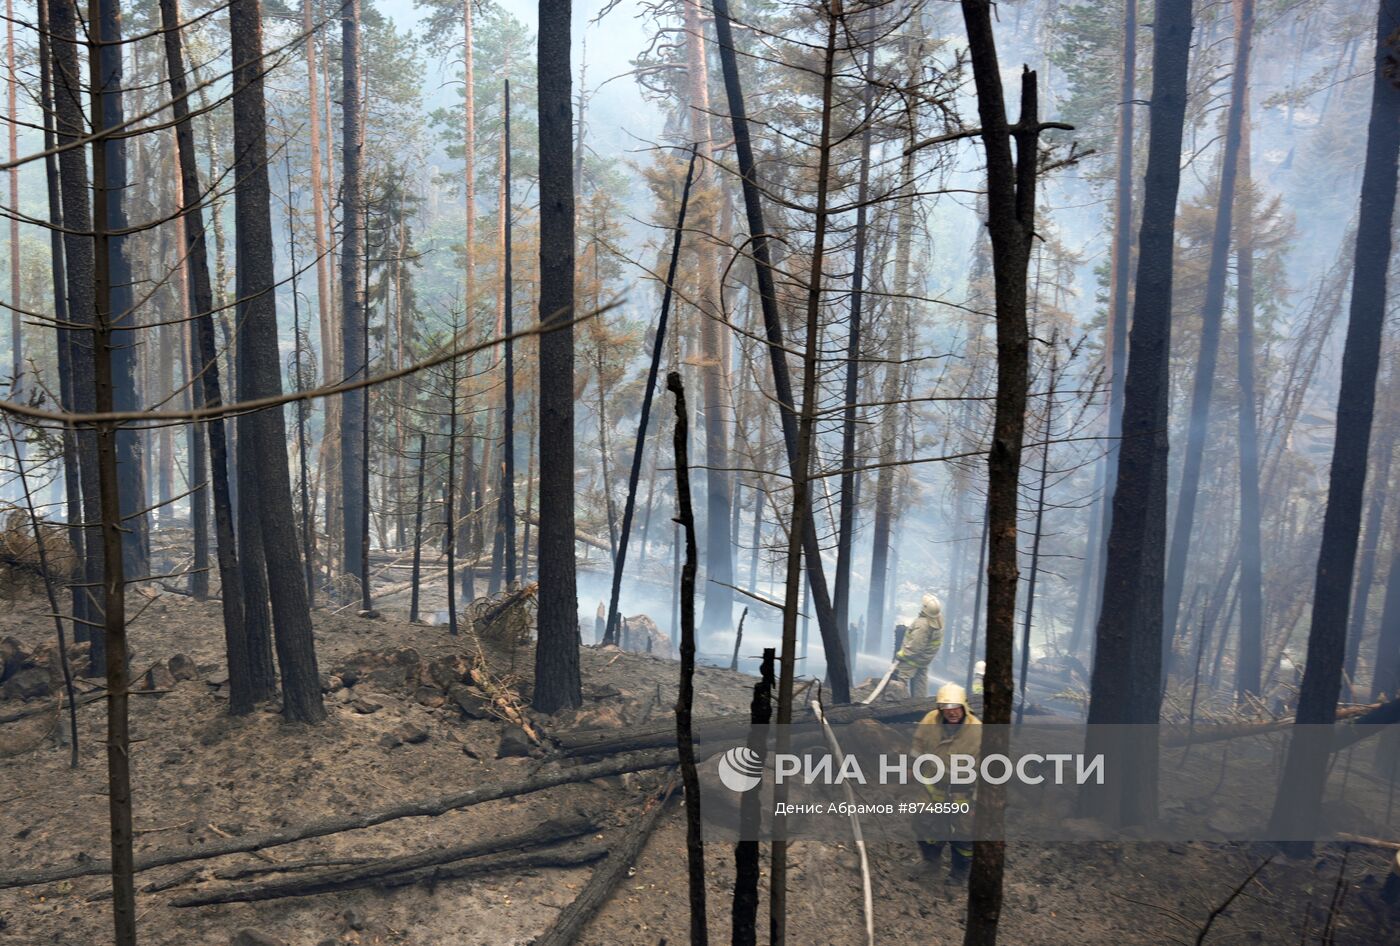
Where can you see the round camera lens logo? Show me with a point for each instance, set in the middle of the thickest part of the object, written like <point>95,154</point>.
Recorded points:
<point>740,769</point>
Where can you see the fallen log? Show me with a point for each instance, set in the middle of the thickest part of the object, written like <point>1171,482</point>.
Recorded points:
<point>1368,842</point>
<point>92,696</point>
<point>735,726</point>
<point>1359,715</point>
<point>1382,714</point>
<point>574,918</point>
<point>572,855</point>
<point>579,534</point>
<point>49,707</point>
<point>427,808</point>
<point>575,855</point>
<point>281,867</point>
<point>377,871</point>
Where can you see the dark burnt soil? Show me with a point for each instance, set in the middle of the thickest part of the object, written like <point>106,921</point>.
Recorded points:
<point>200,776</point>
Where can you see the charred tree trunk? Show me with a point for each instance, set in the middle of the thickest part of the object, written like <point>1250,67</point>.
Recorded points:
<point>1121,292</point>
<point>837,670</point>
<point>685,741</point>
<point>888,437</point>
<point>64,337</point>
<point>1296,809</point>
<point>260,367</point>
<point>746,854</point>
<point>1011,187</point>
<point>505,504</point>
<point>801,526</point>
<point>841,594</point>
<point>557,683</point>
<point>977,601</point>
<point>16,325</point>
<point>1249,661</point>
<point>135,529</point>
<point>353,315</point>
<point>243,692</point>
<point>1211,317</point>
<point>71,125</point>
<point>610,632</point>
<point>196,444</point>
<point>1127,671</point>
<point>104,340</point>
<point>449,508</point>
<point>418,530</point>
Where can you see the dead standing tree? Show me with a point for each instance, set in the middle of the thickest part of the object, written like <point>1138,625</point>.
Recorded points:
<point>1011,186</point>
<point>610,632</point>
<point>685,739</point>
<point>837,671</point>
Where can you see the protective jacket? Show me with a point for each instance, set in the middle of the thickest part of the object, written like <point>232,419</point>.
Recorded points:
<point>921,644</point>
<point>934,737</point>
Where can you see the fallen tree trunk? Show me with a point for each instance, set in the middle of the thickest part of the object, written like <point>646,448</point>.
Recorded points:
<point>574,918</point>
<point>1375,713</point>
<point>1369,842</point>
<point>641,749</point>
<point>92,696</point>
<point>389,869</point>
<point>579,534</point>
<point>735,726</point>
<point>635,762</point>
<point>1365,725</point>
<point>572,856</point>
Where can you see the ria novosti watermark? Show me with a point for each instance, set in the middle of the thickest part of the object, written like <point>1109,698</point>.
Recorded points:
<point>741,769</point>
<point>1052,779</point>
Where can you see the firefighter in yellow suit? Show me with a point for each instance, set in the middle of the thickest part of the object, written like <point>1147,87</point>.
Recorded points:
<point>921,644</point>
<point>949,730</point>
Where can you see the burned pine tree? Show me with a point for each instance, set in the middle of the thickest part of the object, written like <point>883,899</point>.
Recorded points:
<point>263,434</point>
<point>70,126</point>
<point>1127,670</point>
<point>1011,199</point>
<point>556,654</point>
<point>612,626</point>
<point>832,638</point>
<point>109,103</point>
<point>1251,588</point>
<point>1212,316</point>
<point>1296,811</point>
<point>242,689</point>
<point>354,327</point>
<point>106,381</point>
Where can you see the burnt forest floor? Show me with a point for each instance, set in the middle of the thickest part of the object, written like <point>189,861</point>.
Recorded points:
<point>202,777</point>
